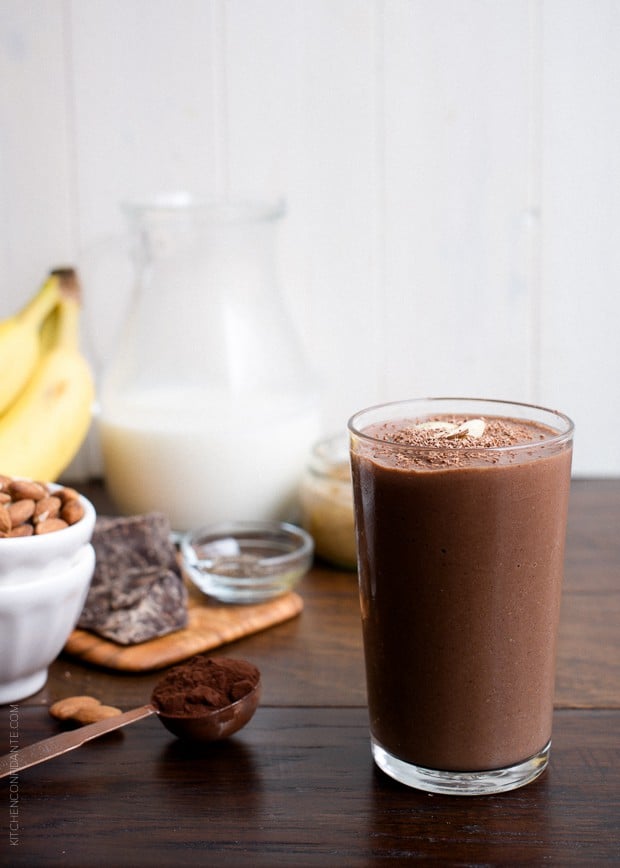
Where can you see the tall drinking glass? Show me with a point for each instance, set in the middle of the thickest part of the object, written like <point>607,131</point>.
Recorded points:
<point>460,508</point>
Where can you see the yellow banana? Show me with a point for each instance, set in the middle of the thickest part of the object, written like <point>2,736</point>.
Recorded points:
<point>68,285</point>
<point>19,340</point>
<point>43,429</point>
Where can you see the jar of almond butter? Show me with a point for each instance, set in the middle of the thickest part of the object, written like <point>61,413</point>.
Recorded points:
<point>326,501</point>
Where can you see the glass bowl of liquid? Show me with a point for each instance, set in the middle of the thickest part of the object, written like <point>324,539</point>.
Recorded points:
<point>247,562</point>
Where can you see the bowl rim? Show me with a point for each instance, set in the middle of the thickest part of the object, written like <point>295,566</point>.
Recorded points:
<point>303,542</point>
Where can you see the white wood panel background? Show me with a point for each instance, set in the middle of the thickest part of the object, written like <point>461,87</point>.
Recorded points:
<point>451,169</point>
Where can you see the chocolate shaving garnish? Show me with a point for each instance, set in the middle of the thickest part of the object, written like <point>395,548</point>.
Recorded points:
<point>451,441</point>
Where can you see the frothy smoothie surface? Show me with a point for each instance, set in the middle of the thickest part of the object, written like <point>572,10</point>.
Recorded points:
<point>444,441</point>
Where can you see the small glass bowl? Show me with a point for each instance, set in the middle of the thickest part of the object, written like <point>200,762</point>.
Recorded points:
<point>247,562</point>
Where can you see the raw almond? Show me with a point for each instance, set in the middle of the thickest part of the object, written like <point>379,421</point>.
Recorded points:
<point>447,428</point>
<point>470,428</point>
<point>49,525</point>
<point>47,507</point>
<point>72,511</point>
<point>93,713</point>
<point>63,709</point>
<point>26,504</point>
<point>25,529</point>
<point>24,489</point>
<point>83,709</point>
<point>5,520</point>
<point>66,494</point>
<point>20,511</point>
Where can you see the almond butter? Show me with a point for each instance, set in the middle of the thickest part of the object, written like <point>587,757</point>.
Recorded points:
<point>50,525</point>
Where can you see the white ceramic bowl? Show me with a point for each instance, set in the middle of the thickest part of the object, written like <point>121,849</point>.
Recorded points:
<point>43,585</point>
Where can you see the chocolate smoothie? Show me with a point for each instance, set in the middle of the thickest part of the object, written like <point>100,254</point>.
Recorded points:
<point>461,523</point>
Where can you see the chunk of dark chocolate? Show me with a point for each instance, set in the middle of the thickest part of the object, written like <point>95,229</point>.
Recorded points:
<point>137,592</point>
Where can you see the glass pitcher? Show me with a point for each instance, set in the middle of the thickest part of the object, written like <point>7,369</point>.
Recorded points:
<point>208,407</point>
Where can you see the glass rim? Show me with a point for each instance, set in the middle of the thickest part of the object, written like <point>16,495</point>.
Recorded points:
<point>558,437</point>
<point>222,210</point>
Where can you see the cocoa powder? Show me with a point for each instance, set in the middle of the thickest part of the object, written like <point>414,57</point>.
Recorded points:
<point>204,684</point>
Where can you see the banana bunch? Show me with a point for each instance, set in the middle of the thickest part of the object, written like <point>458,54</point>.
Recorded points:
<point>46,385</point>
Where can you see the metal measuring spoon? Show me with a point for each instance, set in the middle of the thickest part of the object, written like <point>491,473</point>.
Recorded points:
<point>213,725</point>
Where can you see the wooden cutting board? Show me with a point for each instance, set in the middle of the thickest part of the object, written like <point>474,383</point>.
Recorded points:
<point>209,625</point>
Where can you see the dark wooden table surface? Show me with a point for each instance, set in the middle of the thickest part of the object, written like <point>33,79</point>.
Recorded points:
<point>297,786</point>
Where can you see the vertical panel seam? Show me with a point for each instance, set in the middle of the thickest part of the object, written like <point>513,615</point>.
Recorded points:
<point>379,220</point>
<point>534,197</point>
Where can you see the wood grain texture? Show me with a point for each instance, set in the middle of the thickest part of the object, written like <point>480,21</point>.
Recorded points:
<point>298,787</point>
<point>318,657</point>
<point>588,671</point>
<point>209,626</point>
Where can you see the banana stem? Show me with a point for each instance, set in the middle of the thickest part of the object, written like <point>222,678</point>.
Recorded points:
<point>69,283</point>
<point>67,323</point>
<point>38,307</point>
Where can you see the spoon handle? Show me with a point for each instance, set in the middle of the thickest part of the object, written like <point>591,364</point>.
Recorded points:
<point>40,751</point>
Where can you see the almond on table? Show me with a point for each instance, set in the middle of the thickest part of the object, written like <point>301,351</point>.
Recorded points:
<point>82,709</point>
